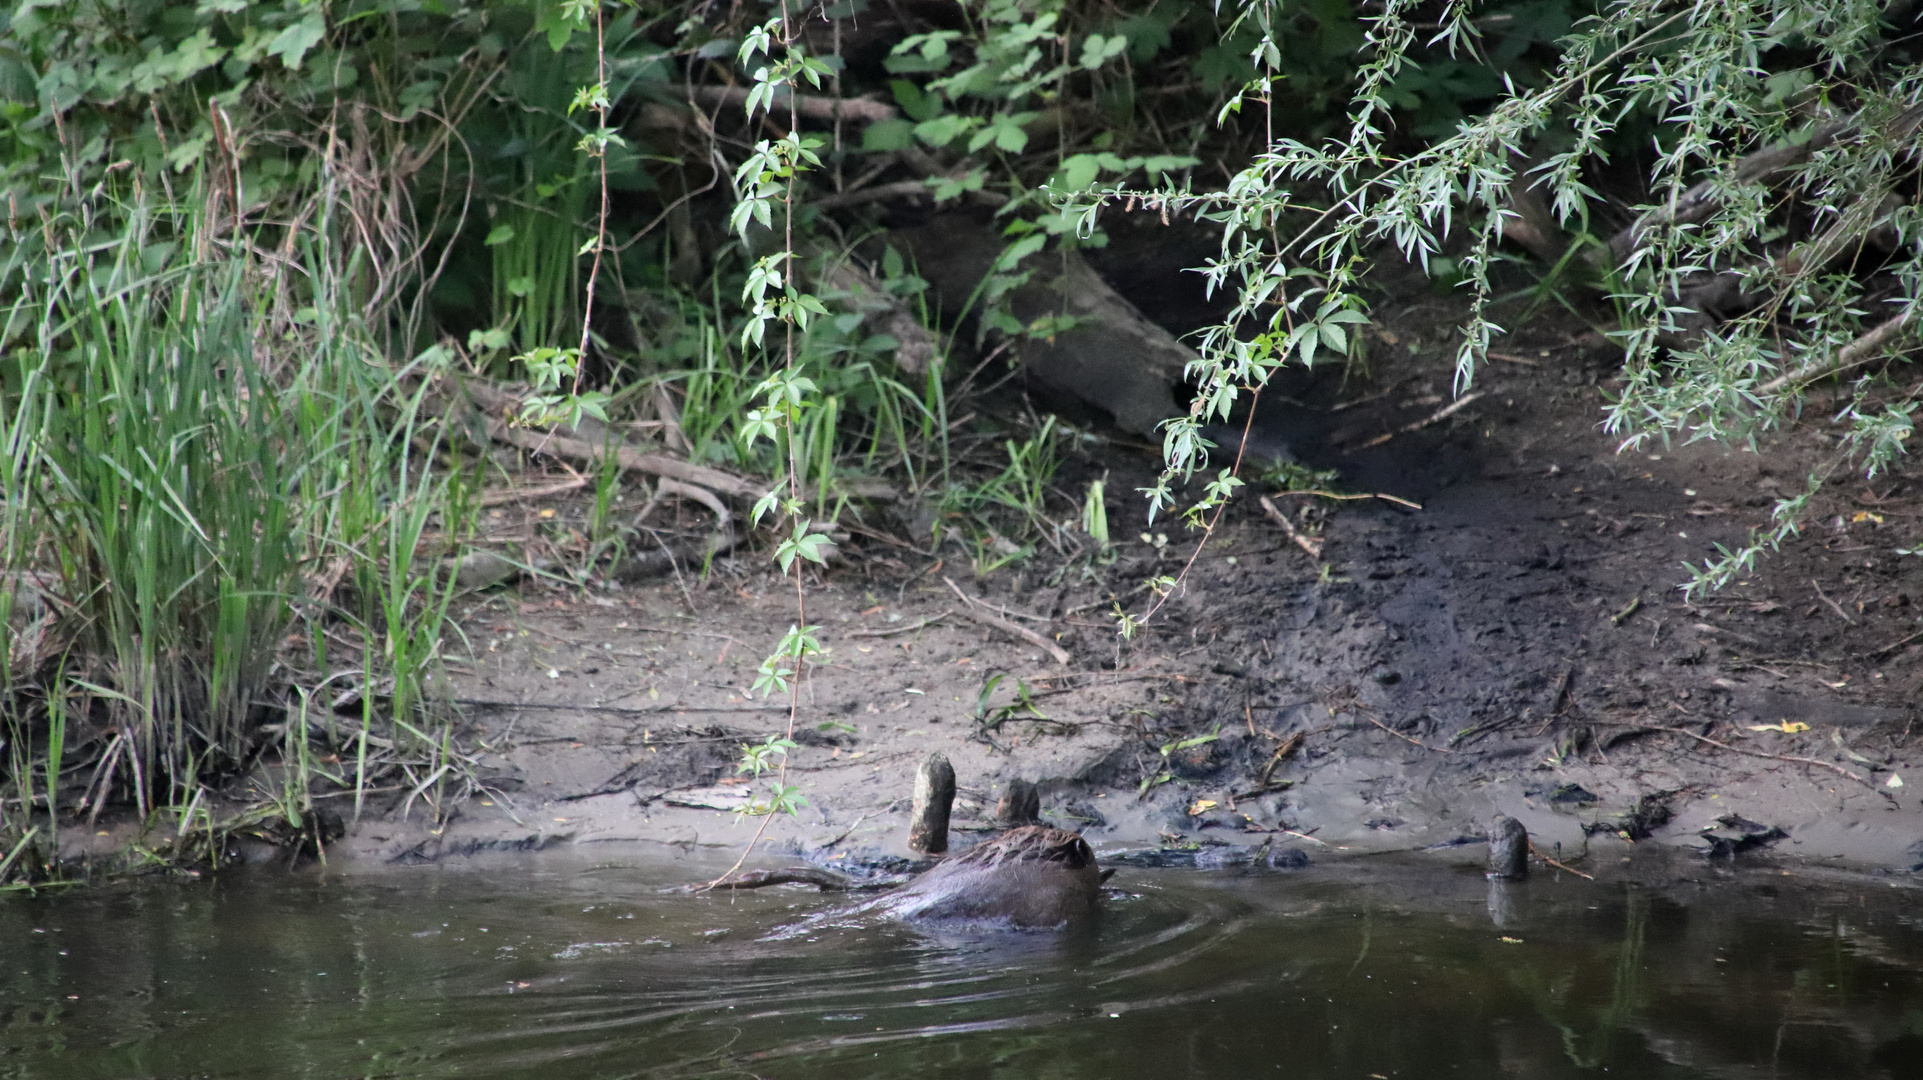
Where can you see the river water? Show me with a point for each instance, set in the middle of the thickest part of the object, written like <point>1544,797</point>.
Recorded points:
<point>557,966</point>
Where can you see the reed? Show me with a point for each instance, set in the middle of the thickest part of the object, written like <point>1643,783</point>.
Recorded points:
<point>199,451</point>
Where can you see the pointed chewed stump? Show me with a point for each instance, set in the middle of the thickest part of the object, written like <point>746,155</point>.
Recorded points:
<point>1020,804</point>
<point>934,797</point>
<point>1508,850</point>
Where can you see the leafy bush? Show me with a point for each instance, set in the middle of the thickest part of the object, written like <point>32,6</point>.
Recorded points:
<point>1773,242</point>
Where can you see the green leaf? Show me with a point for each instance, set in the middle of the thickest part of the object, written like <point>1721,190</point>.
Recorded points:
<point>556,24</point>
<point>1335,337</point>
<point>917,103</point>
<point>884,136</point>
<point>1010,137</point>
<point>1098,50</point>
<point>495,338</point>
<point>498,235</point>
<point>1079,171</point>
<point>1019,250</point>
<point>293,44</point>
<point>943,129</point>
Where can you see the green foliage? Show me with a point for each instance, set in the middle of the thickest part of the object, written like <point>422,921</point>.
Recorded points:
<point>184,436</point>
<point>1703,87</point>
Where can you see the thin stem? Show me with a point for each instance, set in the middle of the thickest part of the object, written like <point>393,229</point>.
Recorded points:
<point>601,154</point>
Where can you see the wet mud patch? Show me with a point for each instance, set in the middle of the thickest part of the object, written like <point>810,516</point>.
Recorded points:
<point>1522,636</point>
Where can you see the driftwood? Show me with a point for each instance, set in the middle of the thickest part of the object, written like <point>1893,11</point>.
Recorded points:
<point>1113,358</point>
<point>825,880</point>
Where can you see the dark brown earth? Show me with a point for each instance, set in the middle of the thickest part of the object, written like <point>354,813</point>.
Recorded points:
<point>1519,644</point>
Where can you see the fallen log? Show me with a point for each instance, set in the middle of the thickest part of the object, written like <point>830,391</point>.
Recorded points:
<point>1112,358</point>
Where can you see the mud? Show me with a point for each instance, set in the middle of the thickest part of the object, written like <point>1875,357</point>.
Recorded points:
<point>1518,645</point>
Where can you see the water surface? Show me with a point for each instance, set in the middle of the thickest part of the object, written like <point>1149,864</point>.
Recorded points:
<point>557,966</point>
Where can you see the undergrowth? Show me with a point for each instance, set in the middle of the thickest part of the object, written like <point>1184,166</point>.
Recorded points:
<point>214,518</point>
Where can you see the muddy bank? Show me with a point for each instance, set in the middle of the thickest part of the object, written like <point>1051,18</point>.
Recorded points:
<point>1516,645</point>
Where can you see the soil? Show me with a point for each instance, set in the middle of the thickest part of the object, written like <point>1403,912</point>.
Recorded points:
<point>1517,645</point>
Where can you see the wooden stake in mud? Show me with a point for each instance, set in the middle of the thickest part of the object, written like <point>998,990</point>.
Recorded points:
<point>1020,804</point>
<point>1508,850</point>
<point>934,797</point>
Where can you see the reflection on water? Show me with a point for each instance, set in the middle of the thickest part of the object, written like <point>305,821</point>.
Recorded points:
<point>557,968</point>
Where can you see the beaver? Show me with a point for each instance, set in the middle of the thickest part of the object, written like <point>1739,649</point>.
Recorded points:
<point>1032,876</point>
<point>1035,876</point>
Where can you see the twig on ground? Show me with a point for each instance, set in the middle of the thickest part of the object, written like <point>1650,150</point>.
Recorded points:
<point>1370,717</point>
<point>1289,746</point>
<point>1634,605</point>
<point>1789,758</point>
<point>1838,608</point>
<point>1313,547</point>
<point>1436,417</point>
<point>971,610</point>
<point>500,496</point>
<point>1340,497</point>
<point>845,833</point>
<point>636,710</point>
<point>1537,852</point>
<point>893,630</point>
<point>1890,648</point>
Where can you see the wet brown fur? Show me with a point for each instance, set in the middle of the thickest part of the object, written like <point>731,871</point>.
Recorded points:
<point>1034,876</point>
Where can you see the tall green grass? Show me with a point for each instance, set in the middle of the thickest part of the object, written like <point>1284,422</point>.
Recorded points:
<point>198,448</point>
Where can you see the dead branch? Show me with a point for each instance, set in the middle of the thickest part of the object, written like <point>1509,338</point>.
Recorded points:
<point>1857,353</point>
<point>1789,758</point>
<point>1436,417</point>
<point>495,404</point>
<point>825,880</point>
<point>591,442</point>
<point>893,630</point>
<point>1765,165</point>
<point>970,609</point>
<point>501,496</point>
<point>812,106</point>
<point>1313,547</point>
